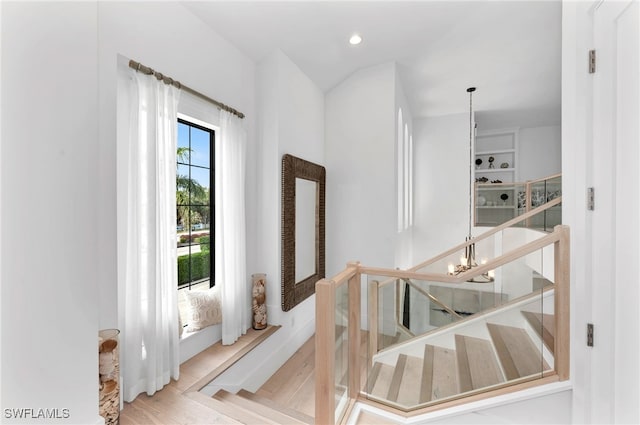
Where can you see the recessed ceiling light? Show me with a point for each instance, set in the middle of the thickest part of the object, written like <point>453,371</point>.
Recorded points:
<point>355,39</point>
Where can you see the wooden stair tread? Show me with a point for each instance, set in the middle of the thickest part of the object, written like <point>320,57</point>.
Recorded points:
<point>380,379</point>
<point>174,407</point>
<point>301,417</point>
<point>544,325</point>
<point>304,399</point>
<point>439,377</point>
<point>410,385</point>
<point>477,363</point>
<point>517,353</point>
<point>270,412</point>
<point>396,379</point>
<point>236,415</point>
<point>287,381</point>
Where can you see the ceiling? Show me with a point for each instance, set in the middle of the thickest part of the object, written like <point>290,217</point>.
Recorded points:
<point>509,50</point>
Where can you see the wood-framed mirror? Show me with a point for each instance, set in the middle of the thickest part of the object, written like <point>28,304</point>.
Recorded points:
<point>303,229</point>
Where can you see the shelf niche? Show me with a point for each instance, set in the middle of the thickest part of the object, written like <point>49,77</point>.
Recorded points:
<point>501,145</point>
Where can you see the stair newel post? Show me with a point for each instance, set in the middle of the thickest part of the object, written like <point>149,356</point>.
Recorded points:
<point>325,352</point>
<point>354,331</point>
<point>562,305</point>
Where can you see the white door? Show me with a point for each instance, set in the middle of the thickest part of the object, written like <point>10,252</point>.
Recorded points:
<point>614,223</point>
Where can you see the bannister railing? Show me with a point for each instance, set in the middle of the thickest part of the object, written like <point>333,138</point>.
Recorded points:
<point>496,203</point>
<point>515,222</point>
<point>339,379</point>
<point>332,398</point>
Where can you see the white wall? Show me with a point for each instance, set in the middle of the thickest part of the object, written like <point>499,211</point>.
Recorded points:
<point>441,184</point>
<point>50,197</point>
<point>291,121</point>
<point>539,152</point>
<point>361,182</point>
<point>138,31</point>
<point>404,241</point>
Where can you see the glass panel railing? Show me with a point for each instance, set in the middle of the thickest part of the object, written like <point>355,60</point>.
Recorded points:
<point>341,355</point>
<point>484,250</point>
<point>542,192</point>
<point>497,203</point>
<point>444,340</point>
<point>487,248</point>
<point>385,295</point>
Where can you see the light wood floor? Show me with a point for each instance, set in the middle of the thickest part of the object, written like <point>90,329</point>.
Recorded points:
<point>293,385</point>
<point>290,390</point>
<point>178,402</point>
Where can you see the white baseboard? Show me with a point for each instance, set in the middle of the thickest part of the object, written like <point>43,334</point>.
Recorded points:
<point>480,405</point>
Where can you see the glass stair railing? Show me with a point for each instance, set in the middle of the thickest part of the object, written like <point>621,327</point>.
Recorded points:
<point>413,339</point>
<point>496,203</point>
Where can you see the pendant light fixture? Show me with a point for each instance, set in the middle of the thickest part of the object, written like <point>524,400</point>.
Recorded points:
<point>468,261</point>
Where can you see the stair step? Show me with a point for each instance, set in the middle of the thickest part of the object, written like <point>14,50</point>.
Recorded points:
<point>517,353</point>
<point>544,325</point>
<point>477,363</point>
<point>410,385</point>
<point>380,380</point>
<point>234,412</point>
<point>301,417</point>
<point>396,380</point>
<point>439,377</point>
<point>263,412</point>
<point>291,377</point>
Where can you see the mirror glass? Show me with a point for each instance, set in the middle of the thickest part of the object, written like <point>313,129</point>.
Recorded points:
<point>305,228</point>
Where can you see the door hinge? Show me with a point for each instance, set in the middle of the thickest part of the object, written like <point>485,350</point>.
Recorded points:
<point>591,199</point>
<point>592,61</point>
<point>589,334</point>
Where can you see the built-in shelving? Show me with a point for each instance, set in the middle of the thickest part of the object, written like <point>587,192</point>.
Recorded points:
<point>501,146</point>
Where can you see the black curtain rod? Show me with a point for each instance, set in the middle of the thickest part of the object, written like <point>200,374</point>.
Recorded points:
<point>167,80</point>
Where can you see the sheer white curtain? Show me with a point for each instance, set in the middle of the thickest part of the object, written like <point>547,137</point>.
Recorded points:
<point>149,355</point>
<point>230,262</point>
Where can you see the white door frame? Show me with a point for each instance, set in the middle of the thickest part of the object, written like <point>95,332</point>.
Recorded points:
<point>600,151</point>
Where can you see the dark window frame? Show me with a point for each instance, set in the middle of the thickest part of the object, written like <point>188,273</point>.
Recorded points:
<point>211,204</point>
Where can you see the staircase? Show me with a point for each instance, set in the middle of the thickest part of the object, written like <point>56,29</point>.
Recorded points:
<point>249,408</point>
<point>483,355</point>
<point>287,397</point>
<point>486,352</point>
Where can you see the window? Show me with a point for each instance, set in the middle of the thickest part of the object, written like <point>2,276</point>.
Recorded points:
<point>400,176</point>
<point>194,212</point>
<point>404,155</point>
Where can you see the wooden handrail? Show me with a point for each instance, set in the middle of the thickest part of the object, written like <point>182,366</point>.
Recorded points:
<point>326,303</point>
<point>491,232</point>
<point>464,277</point>
<point>346,274</point>
<point>551,177</point>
